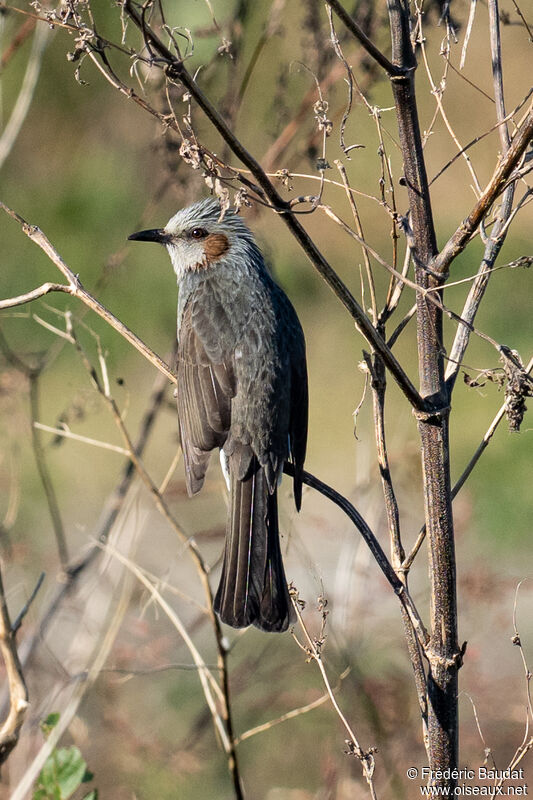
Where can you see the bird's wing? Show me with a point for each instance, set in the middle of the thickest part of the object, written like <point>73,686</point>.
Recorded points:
<point>298,410</point>
<point>206,385</point>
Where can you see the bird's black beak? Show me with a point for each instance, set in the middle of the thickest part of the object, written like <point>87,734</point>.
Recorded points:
<point>153,235</point>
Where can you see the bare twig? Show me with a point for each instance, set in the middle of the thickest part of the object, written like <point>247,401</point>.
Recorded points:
<point>458,241</point>
<point>76,437</point>
<point>18,115</point>
<point>295,712</point>
<point>33,374</point>
<point>359,229</point>
<point>497,237</point>
<point>75,288</point>
<point>527,742</point>
<point>44,473</point>
<point>468,32</point>
<point>349,79</point>
<point>210,686</point>
<point>378,383</point>
<point>393,70</point>
<point>438,92</point>
<point>466,472</point>
<point>313,648</point>
<point>18,694</point>
<point>375,548</point>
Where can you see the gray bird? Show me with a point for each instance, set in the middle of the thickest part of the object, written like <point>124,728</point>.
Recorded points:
<point>241,387</point>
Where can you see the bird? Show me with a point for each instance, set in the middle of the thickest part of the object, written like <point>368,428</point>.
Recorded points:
<point>242,388</point>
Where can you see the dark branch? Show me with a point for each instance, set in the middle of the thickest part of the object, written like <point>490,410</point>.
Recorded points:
<point>390,68</point>
<point>375,548</point>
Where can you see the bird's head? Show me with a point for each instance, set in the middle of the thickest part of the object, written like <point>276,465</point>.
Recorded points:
<point>199,237</point>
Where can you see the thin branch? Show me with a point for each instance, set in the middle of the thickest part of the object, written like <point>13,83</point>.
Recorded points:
<point>340,55</point>
<point>18,40</point>
<point>458,241</point>
<point>465,474</point>
<point>378,383</point>
<point>18,693</point>
<point>75,289</point>
<point>23,103</point>
<point>479,138</point>
<point>40,291</point>
<point>33,374</point>
<point>27,605</point>
<point>44,473</point>
<point>358,226</point>
<point>391,69</point>
<point>497,237</point>
<point>468,32</point>
<point>374,546</point>
<point>206,678</point>
<point>527,741</point>
<point>526,26</point>
<point>437,92</point>
<point>76,437</point>
<point>313,649</point>
<point>295,712</point>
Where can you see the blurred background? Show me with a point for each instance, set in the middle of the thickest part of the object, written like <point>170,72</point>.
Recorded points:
<point>89,166</point>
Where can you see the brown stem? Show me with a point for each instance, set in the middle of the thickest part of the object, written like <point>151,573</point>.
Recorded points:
<point>415,651</point>
<point>18,694</point>
<point>500,228</point>
<point>75,288</point>
<point>390,68</point>
<point>434,433</point>
<point>375,548</point>
<point>44,473</point>
<point>458,241</point>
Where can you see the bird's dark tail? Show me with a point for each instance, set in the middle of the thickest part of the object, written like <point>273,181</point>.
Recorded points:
<point>253,589</point>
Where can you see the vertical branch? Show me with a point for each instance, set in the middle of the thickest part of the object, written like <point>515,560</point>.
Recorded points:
<point>379,385</point>
<point>42,469</point>
<point>358,227</point>
<point>433,427</point>
<point>500,228</point>
<point>18,694</point>
<point>33,374</point>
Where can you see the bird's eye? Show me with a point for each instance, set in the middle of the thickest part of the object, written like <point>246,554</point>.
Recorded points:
<point>198,233</point>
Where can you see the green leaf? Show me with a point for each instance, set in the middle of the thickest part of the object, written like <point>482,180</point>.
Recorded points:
<point>62,773</point>
<point>71,768</point>
<point>48,724</point>
<point>92,795</point>
<point>49,792</point>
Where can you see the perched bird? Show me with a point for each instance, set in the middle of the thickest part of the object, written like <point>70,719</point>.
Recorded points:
<point>241,387</point>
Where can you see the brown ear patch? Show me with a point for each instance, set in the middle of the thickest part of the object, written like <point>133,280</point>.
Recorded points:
<point>215,245</point>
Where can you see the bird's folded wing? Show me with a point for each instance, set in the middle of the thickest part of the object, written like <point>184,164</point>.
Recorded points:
<point>206,385</point>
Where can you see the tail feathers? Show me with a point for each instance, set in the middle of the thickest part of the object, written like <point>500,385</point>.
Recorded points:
<point>253,589</point>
